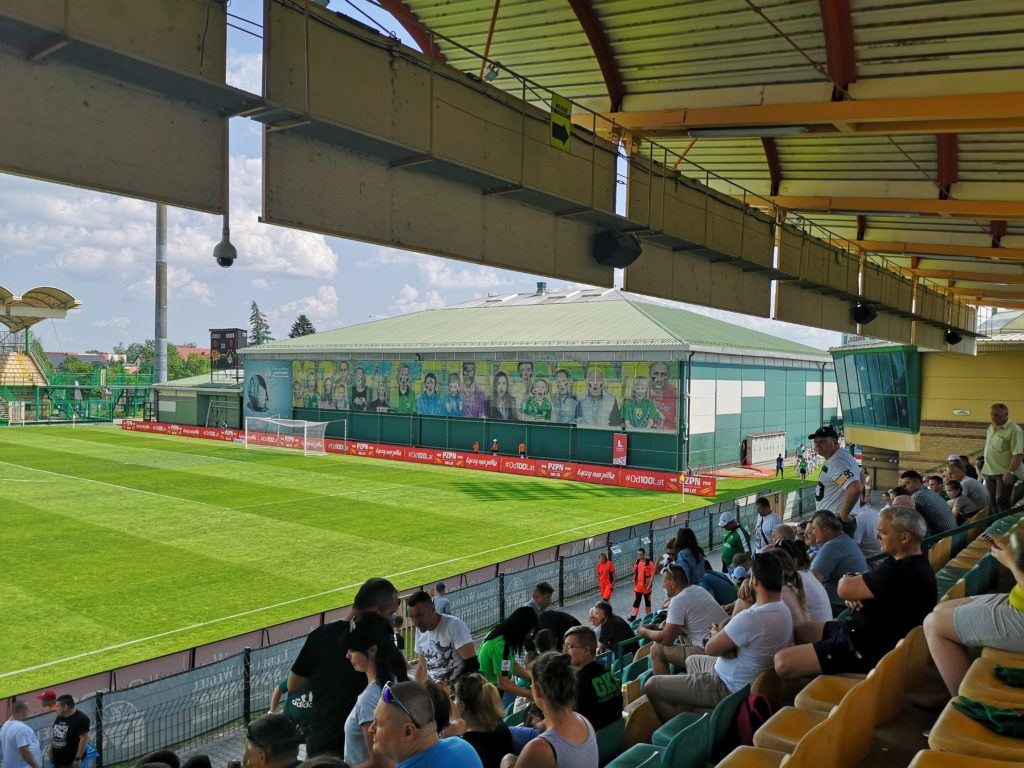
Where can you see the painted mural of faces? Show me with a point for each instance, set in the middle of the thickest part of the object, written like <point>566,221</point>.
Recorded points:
<point>343,373</point>
<point>360,377</point>
<point>640,388</point>
<point>501,384</point>
<point>595,383</point>
<point>453,384</point>
<point>540,389</point>
<point>430,384</point>
<point>296,390</point>
<point>659,378</point>
<point>328,388</point>
<point>526,376</point>
<point>468,375</point>
<point>311,381</point>
<point>382,390</point>
<point>403,378</point>
<point>562,382</point>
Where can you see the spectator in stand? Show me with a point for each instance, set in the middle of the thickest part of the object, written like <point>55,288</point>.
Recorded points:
<point>839,484</point>
<point>866,535</point>
<point>792,591</point>
<point>48,700</point>
<point>690,556</point>
<point>643,582</point>
<point>990,621</point>
<point>558,622</point>
<point>371,652</point>
<point>766,521</point>
<point>323,669</point>
<point>497,654</point>
<point>780,470</point>
<point>720,586</point>
<point>692,611</point>
<point>888,601</point>
<point>613,629</point>
<point>571,740</point>
<point>296,708</point>
<point>598,691</point>
<point>973,489</point>
<point>669,555</point>
<point>816,598</point>
<point>203,761</point>
<point>441,602</point>
<point>444,646</point>
<point>937,516</point>
<point>397,623</point>
<point>837,555</point>
<point>542,594</point>
<point>1004,452</point>
<point>481,719</point>
<point>935,484</point>
<point>166,757</point>
<point>735,654</point>
<point>965,465</point>
<point>605,576</point>
<point>272,741</point>
<point>19,745</point>
<point>963,508</point>
<point>736,540</point>
<point>783,532</point>
<point>405,733</point>
<point>69,735</point>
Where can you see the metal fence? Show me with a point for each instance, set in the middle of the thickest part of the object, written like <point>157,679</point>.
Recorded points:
<point>225,682</point>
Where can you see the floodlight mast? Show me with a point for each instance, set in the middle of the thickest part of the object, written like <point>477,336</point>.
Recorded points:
<point>160,331</point>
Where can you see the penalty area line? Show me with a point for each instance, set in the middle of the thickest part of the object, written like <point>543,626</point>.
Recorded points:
<point>334,590</point>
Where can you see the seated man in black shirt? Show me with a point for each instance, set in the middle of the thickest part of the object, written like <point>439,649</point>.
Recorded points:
<point>888,601</point>
<point>323,669</point>
<point>613,629</point>
<point>598,691</point>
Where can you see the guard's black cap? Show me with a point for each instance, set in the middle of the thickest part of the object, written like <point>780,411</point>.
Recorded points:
<point>824,432</point>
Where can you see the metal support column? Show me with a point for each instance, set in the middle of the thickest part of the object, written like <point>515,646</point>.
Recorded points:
<point>160,331</point>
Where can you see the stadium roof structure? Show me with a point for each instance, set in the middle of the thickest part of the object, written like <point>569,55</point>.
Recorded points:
<point>220,383</point>
<point>591,319</point>
<point>33,306</point>
<point>897,125</point>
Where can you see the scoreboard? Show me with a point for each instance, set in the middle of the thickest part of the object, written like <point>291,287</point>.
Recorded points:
<point>224,346</point>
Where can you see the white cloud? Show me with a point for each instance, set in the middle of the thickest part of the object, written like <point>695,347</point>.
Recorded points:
<point>181,283</point>
<point>118,323</point>
<point>437,272</point>
<point>408,299</point>
<point>321,306</point>
<point>260,284</point>
<point>245,71</point>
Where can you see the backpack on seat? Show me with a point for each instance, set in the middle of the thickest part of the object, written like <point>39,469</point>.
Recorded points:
<point>754,712</point>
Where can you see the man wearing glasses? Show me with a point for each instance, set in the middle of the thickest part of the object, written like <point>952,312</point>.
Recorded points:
<point>272,741</point>
<point>598,691</point>
<point>404,731</point>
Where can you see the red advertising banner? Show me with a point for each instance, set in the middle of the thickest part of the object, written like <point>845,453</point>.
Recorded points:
<point>620,442</point>
<point>643,479</point>
<point>700,485</point>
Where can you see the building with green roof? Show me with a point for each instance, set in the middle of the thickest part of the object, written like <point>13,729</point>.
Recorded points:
<point>560,371</point>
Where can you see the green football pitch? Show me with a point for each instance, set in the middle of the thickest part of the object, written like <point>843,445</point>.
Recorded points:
<point>121,546</point>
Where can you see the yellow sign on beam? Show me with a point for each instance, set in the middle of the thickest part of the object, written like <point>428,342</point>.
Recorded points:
<point>561,123</point>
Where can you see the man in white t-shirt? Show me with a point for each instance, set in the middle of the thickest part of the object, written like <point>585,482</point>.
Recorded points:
<point>444,646</point>
<point>692,611</point>
<point>766,522</point>
<point>839,487</point>
<point>19,745</point>
<point>866,535</point>
<point>756,635</point>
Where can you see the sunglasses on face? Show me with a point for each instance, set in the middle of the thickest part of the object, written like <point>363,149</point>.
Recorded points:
<point>389,697</point>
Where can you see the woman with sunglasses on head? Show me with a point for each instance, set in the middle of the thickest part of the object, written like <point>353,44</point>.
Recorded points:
<point>371,650</point>
<point>570,740</point>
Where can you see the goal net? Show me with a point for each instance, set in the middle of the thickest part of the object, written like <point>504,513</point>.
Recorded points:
<point>295,434</point>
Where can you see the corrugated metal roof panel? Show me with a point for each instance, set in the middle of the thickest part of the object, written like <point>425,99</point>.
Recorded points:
<point>858,157</point>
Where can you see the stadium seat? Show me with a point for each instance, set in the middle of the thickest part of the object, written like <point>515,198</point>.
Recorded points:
<point>818,748</point>
<point>780,693</point>
<point>939,553</point>
<point>958,590</point>
<point>955,732</point>
<point>611,740</point>
<point>789,725</point>
<point>637,668</point>
<point>1006,658</point>
<point>626,649</point>
<point>641,721</point>
<point>929,758</point>
<point>516,718</point>
<point>632,691</point>
<point>606,659</point>
<point>981,684</point>
<point>642,652</point>
<point>720,726</point>
<point>670,755</point>
<point>918,658</point>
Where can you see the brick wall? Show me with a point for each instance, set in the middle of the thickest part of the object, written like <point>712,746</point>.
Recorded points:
<point>939,439</point>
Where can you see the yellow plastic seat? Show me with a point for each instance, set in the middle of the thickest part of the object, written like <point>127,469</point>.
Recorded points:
<point>918,659</point>
<point>1006,658</point>
<point>940,552</point>
<point>824,692</point>
<point>642,652</point>
<point>929,758</point>
<point>855,714</point>
<point>981,684</point>
<point>968,558</point>
<point>955,732</point>
<point>819,747</point>
<point>631,691</point>
<point>958,590</point>
<point>641,722</point>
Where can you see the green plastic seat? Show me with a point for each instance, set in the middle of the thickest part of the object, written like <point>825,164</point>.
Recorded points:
<point>516,718</point>
<point>679,753</point>
<point>627,647</point>
<point>719,726</point>
<point>611,741</point>
<point>633,671</point>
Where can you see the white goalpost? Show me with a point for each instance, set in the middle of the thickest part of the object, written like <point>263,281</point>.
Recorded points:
<point>294,434</point>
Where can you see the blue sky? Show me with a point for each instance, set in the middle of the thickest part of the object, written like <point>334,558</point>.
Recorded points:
<point>100,248</point>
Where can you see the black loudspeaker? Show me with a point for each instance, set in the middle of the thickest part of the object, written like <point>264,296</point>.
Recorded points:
<point>864,314</point>
<point>613,248</point>
<point>952,337</point>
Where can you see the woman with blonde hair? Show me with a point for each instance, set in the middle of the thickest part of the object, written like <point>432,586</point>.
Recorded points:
<point>480,720</point>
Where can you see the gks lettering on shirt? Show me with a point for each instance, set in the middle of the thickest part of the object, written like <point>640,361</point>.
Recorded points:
<point>606,686</point>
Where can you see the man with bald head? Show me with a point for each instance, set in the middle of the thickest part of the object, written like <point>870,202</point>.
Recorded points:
<point>19,745</point>
<point>405,733</point>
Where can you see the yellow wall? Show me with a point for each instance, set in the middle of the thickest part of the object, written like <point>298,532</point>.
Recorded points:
<point>960,382</point>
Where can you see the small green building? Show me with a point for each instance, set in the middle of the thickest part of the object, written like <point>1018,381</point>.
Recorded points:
<point>558,371</point>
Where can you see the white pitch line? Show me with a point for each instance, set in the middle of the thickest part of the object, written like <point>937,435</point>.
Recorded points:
<point>334,590</point>
<point>114,485</point>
